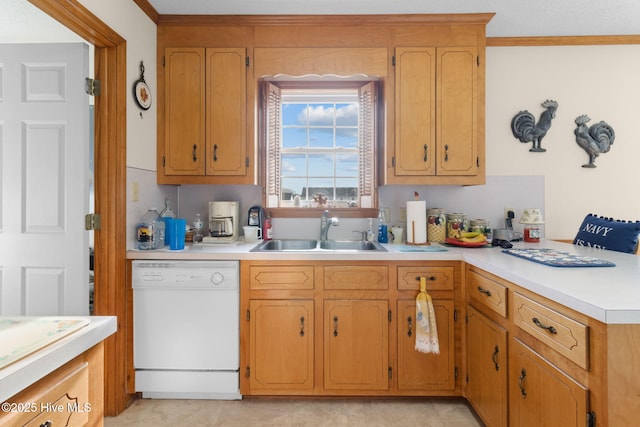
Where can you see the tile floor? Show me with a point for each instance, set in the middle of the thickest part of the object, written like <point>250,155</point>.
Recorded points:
<point>252,412</point>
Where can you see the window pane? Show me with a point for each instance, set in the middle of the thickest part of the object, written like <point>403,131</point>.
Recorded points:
<point>294,114</point>
<point>321,137</point>
<point>292,187</point>
<point>347,114</point>
<point>347,137</point>
<point>320,114</point>
<point>321,165</point>
<point>347,165</point>
<point>347,189</point>
<point>294,165</point>
<point>294,137</point>
<point>321,185</point>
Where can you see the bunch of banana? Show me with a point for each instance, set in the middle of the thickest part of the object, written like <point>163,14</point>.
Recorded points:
<point>472,237</point>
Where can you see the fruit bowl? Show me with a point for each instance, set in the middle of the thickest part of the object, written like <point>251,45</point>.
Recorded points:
<point>456,242</point>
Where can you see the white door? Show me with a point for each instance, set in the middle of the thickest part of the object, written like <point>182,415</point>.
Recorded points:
<point>44,146</point>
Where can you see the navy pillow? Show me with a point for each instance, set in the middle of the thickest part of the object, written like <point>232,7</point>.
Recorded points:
<point>608,233</point>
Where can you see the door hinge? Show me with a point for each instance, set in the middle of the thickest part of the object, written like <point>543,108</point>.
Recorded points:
<point>390,374</point>
<point>92,221</point>
<point>455,372</point>
<point>478,60</point>
<point>478,161</point>
<point>389,316</point>
<point>246,162</point>
<point>393,161</point>
<point>92,87</point>
<point>248,316</point>
<point>163,60</point>
<point>393,60</point>
<point>467,378</point>
<point>247,372</point>
<point>455,315</point>
<point>591,419</point>
<point>162,161</point>
<point>247,60</point>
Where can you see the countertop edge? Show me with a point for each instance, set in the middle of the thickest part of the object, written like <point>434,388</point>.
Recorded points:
<point>28,370</point>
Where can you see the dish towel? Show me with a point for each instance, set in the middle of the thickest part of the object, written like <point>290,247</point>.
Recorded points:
<point>426,328</point>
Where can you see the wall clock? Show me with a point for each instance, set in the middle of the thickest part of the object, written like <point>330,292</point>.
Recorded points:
<point>141,91</point>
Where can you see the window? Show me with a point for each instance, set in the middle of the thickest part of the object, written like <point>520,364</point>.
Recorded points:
<point>320,141</point>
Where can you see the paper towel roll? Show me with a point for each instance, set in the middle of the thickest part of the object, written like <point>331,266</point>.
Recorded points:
<point>417,222</point>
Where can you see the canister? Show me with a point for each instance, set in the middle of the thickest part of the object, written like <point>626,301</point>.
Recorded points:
<point>436,225</point>
<point>456,224</point>
<point>481,226</point>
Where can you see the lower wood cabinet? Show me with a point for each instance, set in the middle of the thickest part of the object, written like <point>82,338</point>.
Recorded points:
<point>540,394</point>
<point>487,368</point>
<point>420,371</point>
<point>345,328</point>
<point>356,345</point>
<point>281,337</point>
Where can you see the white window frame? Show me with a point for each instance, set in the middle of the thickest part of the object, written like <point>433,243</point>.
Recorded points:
<point>367,142</point>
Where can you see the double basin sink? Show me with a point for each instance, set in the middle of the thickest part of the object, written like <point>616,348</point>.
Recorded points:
<point>315,245</point>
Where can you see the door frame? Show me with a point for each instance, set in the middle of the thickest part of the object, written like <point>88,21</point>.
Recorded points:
<point>110,189</point>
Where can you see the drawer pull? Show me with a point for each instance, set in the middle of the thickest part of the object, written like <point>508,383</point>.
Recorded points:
<point>430,278</point>
<point>484,291</point>
<point>409,326</point>
<point>47,423</point>
<point>551,329</point>
<point>215,152</point>
<point>494,358</point>
<point>521,378</point>
<point>424,158</point>
<point>335,326</point>
<point>194,154</point>
<point>302,326</point>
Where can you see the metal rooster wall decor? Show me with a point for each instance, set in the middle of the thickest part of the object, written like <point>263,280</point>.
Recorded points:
<point>525,128</point>
<point>595,139</point>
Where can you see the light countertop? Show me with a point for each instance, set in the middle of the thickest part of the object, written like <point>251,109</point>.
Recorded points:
<point>22,373</point>
<point>608,294</point>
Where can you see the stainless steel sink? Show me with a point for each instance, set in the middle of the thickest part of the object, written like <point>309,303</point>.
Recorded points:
<point>312,245</point>
<point>286,245</point>
<point>350,245</point>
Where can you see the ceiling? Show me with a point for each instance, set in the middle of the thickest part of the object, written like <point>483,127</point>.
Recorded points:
<point>514,18</point>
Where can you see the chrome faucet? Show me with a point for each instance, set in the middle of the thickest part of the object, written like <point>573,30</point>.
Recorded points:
<point>325,223</point>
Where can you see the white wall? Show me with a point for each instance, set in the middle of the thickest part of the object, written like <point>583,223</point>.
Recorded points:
<point>128,20</point>
<point>600,81</point>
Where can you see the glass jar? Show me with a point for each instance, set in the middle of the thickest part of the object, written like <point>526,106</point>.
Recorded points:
<point>481,226</point>
<point>456,224</point>
<point>436,225</point>
<point>150,231</point>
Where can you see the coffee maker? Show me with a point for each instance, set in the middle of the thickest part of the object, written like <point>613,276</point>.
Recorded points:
<point>223,222</point>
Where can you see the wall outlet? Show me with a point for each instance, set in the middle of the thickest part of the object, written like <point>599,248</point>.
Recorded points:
<point>403,215</point>
<point>506,212</point>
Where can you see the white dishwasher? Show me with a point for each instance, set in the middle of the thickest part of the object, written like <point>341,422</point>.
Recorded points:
<point>186,332</point>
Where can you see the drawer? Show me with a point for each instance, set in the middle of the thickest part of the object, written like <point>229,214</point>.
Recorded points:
<point>485,292</point>
<point>438,278</point>
<point>281,277</point>
<point>61,398</point>
<point>563,334</point>
<point>341,277</point>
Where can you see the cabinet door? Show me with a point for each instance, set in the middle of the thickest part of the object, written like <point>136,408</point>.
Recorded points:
<point>226,112</point>
<point>426,371</point>
<point>457,111</point>
<point>356,348</point>
<point>542,395</point>
<point>415,132</point>
<point>487,368</point>
<point>184,104</point>
<point>281,343</point>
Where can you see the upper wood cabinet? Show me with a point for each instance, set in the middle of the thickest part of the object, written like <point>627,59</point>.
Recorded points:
<point>436,117</point>
<point>205,117</point>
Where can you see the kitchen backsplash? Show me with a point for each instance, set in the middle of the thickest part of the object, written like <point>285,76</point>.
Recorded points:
<point>483,201</point>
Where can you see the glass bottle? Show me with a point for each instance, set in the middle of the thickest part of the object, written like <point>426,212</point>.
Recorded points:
<point>198,227</point>
<point>150,231</point>
<point>383,235</point>
<point>167,212</point>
